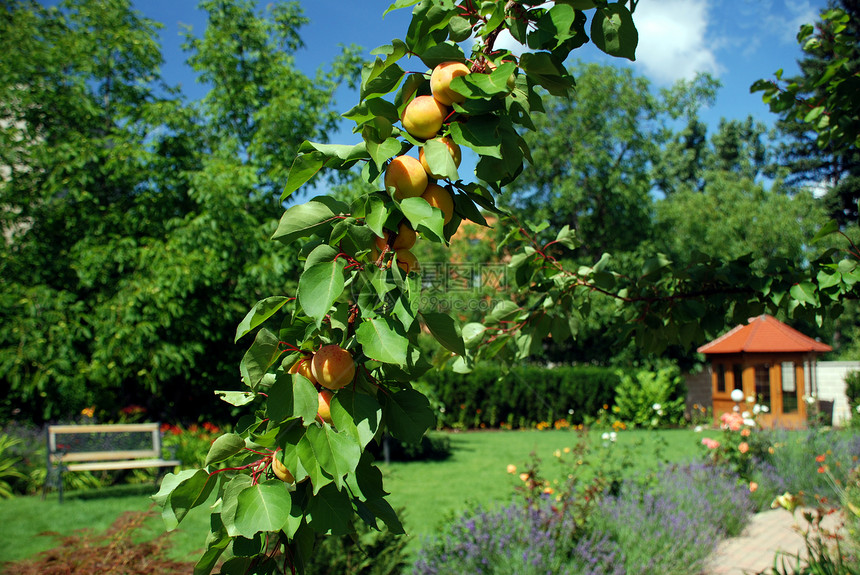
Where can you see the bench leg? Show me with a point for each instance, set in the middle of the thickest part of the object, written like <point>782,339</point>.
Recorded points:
<point>60,482</point>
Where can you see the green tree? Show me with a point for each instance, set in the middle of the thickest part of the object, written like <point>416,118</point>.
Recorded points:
<point>136,223</point>
<point>819,111</point>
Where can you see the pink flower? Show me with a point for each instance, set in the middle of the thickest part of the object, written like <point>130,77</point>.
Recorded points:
<point>710,443</point>
<point>732,420</point>
<point>745,432</point>
<point>744,447</point>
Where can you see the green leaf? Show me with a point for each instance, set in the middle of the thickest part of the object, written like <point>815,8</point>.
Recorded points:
<point>478,85</point>
<point>304,167</point>
<point>259,358</point>
<point>336,453</point>
<point>553,28</point>
<point>439,160</point>
<point>279,404</point>
<point>408,415</point>
<point>381,152</point>
<point>480,133</point>
<point>613,31</point>
<point>382,341</point>
<point>382,82</point>
<point>443,52</point>
<point>302,221</point>
<point>830,227</point>
<point>459,29</point>
<point>319,287</point>
<point>262,310</point>
<point>473,333</point>
<point>363,412</point>
<point>305,399</point>
<point>804,292</point>
<point>262,508</point>
<point>330,511</point>
<point>423,217</point>
<point>444,329</point>
<point>237,398</point>
<point>224,447</point>
<point>190,492</point>
<point>548,71</point>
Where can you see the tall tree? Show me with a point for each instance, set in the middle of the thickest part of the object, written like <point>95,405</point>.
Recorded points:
<point>819,110</point>
<point>138,224</point>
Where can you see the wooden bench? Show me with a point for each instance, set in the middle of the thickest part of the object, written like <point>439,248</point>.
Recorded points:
<point>142,449</point>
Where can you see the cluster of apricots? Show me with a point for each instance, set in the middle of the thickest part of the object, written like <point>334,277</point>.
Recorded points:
<point>330,368</point>
<point>408,177</point>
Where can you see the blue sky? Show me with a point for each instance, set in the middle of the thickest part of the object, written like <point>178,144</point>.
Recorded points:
<point>738,41</point>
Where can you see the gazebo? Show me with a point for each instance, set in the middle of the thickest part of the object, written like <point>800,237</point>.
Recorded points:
<point>767,360</point>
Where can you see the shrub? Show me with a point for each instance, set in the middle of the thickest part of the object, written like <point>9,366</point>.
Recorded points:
<point>368,552</point>
<point>673,525</point>
<point>433,446</point>
<point>514,539</point>
<point>521,397</point>
<point>652,398</point>
<point>795,461</point>
<point>852,392</point>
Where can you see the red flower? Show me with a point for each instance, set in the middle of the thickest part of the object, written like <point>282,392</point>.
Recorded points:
<point>821,458</point>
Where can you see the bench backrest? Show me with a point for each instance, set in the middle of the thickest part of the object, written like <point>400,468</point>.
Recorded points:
<point>58,451</point>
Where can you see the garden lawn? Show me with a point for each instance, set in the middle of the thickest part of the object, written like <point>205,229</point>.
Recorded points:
<point>427,492</point>
<point>27,522</point>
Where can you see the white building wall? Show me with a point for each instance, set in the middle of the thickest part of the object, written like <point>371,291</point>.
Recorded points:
<point>830,376</point>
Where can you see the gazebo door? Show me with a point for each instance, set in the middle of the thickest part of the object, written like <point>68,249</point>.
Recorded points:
<point>779,386</point>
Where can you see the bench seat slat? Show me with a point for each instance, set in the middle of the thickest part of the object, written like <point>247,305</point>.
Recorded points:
<point>103,428</point>
<point>105,455</point>
<point>134,464</point>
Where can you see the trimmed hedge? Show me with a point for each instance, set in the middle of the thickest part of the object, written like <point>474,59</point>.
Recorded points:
<point>521,397</point>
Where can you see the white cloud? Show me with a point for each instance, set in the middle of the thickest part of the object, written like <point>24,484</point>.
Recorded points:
<point>673,40</point>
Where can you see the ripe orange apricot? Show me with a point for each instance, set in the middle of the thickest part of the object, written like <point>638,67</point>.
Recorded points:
<point>406,238</point>
<point>324,410</point>
<point>281,471</point>
<point>407,261</point>
<point>440,82</point>
<point>423,117</point>
<point>333,367</point>
<point>303,367</point>
<point>407,176</point>
<point>453,149</point>
<point>439,197</point>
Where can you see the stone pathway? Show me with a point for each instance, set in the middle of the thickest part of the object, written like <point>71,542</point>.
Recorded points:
<point>768,532</point>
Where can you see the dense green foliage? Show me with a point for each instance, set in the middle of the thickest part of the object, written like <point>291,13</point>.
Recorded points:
<point>490,396</point>
<point>135,223</point>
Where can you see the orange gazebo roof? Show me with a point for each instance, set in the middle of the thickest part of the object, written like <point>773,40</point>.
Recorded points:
<point>763,334</point>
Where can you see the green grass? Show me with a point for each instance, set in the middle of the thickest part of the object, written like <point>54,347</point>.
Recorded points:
<point>476,473</point>
<point>426,492</point>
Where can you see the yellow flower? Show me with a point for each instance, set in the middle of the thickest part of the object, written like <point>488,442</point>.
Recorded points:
<point>88,411</point>
<point>512,468</point>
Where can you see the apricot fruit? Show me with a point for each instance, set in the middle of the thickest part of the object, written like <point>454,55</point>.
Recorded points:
<point>407,176</point>
<point>440,82</point>
<point>423,117</point>
<point>333,366</point>
<point>453,149</point>
<point>324,410</point>
<point>406,238</point>
<point>407,261</point>
<point>439,197</point>
<point>303,367</point>
<point>281,471</point>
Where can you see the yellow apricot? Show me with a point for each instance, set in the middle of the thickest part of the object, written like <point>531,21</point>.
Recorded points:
<point>303,367</point>
<point>439,197</point>
<point>440,82</point>
<point>407,261</point>
<point>407,176</point>
<point>405,239</point>
<point>333,366</point>
<point>423,117</point>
